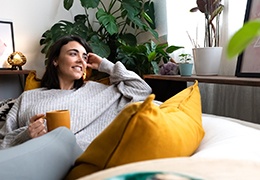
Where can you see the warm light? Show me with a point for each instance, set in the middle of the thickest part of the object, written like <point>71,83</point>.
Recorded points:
<point>16,59</point>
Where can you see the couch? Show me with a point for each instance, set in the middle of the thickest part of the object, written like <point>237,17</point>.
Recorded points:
<point>145,136</point>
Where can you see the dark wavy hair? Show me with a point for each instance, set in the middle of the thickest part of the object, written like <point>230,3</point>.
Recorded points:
<point>50,78</point>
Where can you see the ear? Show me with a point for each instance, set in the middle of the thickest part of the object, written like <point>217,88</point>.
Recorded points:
<point>55,63</point>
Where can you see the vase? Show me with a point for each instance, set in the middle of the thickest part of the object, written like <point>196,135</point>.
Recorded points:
<point>185,69</point>
<point>207,60</point>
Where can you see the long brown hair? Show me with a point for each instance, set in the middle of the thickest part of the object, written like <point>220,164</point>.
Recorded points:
<point>50,78</point>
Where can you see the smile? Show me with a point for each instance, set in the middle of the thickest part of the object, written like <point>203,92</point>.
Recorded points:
<point>78,68</point>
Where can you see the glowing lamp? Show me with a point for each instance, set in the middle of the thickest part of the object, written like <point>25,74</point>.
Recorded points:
<point>16,60</point>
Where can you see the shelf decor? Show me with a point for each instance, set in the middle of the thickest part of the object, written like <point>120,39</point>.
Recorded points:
<point>204,62</point>
<point>16,60</point>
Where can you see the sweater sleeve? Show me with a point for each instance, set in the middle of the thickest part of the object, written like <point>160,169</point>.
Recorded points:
<point>11,133</point>
<point>129,84</point>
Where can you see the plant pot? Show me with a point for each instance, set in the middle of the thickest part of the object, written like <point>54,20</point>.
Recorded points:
<point>207,60</point>
<point>185,69</point>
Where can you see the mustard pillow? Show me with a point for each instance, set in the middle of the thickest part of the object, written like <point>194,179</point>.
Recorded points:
<point>32,82</point>
<point>144,131</point>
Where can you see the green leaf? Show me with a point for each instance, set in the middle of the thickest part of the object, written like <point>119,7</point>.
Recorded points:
<point>149,14</point>
<point>82,18</point>
<point>155,67</point>
<point>154,33</point>
<point>99,47</point>
<point>243,37</point>
<point>133,11</point>
<point>132,7</point>
<point>108,21</point>
<point>171,49</point>
<point>67,4</point>
<point>162,46</point>
<point>151,56</point>
<point>89,3</point>
<point>128,39</point>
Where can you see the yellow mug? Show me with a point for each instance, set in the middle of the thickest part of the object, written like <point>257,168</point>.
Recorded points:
<point>57,118</point>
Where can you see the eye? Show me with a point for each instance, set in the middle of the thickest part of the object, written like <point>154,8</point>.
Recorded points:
<point>73,53</point>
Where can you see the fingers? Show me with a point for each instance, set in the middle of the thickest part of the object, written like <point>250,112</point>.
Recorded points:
<point>37,116</point>
<point>44,131</point>
<point>93,61</point>
<point>36,127</point>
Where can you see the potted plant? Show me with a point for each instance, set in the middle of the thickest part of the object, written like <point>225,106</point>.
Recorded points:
<point>146,57</point>
<point>185,64</point>
<point>118,23</point>
<point>207,59</point>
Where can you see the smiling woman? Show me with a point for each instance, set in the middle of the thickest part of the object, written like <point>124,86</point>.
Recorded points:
<point>63,87</point>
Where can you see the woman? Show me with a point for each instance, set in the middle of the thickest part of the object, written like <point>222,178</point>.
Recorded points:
<point>92,105</point>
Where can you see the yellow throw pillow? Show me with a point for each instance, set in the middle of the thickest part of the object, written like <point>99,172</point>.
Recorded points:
<point>32,82</point>
<point>144,131</point>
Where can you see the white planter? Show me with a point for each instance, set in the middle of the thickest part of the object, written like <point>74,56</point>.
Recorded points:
<point>207,60</point>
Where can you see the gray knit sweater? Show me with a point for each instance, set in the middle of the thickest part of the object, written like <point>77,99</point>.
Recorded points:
<point>92,107</point>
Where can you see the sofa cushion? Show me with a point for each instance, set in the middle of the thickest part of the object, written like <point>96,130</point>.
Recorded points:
<point>144,131</point>
<point>32,82</point>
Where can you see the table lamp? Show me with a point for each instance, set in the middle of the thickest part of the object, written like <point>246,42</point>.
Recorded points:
<point>16,60</point>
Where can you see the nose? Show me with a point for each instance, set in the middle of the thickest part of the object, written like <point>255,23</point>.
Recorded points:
<point>83,59</point>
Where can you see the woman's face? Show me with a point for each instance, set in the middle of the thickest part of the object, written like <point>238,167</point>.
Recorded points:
<point>71,63</point>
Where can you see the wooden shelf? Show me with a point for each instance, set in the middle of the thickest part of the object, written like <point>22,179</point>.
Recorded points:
<point>230,80</point>
<point>22,72</point>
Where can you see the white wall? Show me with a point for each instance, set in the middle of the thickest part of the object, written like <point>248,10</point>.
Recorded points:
<point>33,17</point>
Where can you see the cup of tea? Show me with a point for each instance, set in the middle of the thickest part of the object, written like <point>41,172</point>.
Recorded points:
<point>57,118</point>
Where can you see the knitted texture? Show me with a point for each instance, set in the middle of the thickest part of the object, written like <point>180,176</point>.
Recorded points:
<point>92,107</point>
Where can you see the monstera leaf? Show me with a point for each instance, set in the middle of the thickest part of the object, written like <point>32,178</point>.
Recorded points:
<point>108,21</point>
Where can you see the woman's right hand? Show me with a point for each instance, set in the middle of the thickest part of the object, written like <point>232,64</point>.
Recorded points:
<point>37,127</point>
<point>93,61</point>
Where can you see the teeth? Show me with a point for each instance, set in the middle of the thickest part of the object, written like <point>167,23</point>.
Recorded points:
<point>77,68</point>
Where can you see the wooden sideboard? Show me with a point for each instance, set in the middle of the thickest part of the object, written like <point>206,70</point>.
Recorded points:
<point>165,86</point>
